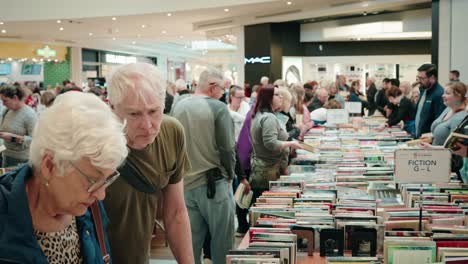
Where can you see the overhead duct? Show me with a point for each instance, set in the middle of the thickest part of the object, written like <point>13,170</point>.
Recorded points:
<point>278,14</point>
<point>215,23</point>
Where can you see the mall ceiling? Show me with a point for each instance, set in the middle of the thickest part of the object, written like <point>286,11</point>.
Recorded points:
<point>152,27</point>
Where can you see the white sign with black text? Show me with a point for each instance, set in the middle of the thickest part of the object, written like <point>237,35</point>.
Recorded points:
<point>337,116</point>
<point>422,165</point>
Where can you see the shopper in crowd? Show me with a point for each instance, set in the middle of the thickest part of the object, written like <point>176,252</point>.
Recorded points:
<point>16,126</point>
<point>455,100</point>
<point>430,104</point>
<point>415,93</point>
<point>227,84</point>
<point>371,90</point>
<point>237,101</point>
<point>301,111</point>
<point>280,83</point>
<point>333,91</point>
<point>342,86</point>
<point>406,89</point>
<point>253,95</point>
<point>404,110</point>
<point>319,100</point>
<point>381,100</point>
<point>152,178</point>
<point>47,98</point>
<point>454,76</point>
<point>211,151</point>
<point>284,114</point>
<point>319,116</point>
<point>356,96</point>
<point>269,141</point>
<point>264,81</point>
<point>238,108</point>
<point>170,93</point>
<point>44,210</point>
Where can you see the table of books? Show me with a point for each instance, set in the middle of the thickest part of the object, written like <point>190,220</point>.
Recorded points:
<point>339,204</point>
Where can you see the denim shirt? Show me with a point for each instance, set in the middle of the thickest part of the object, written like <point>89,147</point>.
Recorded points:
<point>18,243</point>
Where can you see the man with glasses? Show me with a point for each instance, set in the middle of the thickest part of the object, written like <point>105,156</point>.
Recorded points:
<point>210,147</point>
<point>430,104</point>
<point>151,179</point>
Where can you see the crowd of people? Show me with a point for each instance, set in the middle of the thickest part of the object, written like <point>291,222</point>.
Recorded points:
<point>94,168</point>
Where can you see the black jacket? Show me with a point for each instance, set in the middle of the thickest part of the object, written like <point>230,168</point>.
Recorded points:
<point>315,104</point>
<point>432,107</point>
<point>381,101</point>
<point>370,92</point>
<point>405,111</point>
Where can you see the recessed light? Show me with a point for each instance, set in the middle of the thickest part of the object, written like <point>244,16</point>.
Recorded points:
<point>169,14</point>
<point>133,42</point>
<point>164,31</point>
<point>181,37</point>
<point>289,3</point>
<point>90,34</point>
<point>113,38</point>
<point>143,26</point>
<point>10,59</point>
<point>226,10</point>
<point>365,4</point>
<point>61,29</point>
<point>59,21</point>
<point>1,23</point>
<point>3,31</point>
<point>114,18</point>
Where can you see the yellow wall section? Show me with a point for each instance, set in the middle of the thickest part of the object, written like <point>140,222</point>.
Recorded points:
<point>20,50</point>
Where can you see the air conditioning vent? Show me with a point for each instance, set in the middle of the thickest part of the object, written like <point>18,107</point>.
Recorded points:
<point>278,14</point>
<point>11,37</point>
<point>65,41</point>
<point>345,2</point>
<point>215,23</point>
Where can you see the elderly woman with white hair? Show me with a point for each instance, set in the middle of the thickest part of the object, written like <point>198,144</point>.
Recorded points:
<point>77,145</point>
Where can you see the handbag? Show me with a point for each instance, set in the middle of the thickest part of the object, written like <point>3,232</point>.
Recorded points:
<point>96,213</point>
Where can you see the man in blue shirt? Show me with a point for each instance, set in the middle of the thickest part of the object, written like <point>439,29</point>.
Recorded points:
<point>430,104</point>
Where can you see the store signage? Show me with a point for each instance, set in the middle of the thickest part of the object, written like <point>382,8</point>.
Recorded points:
<point>119,59</point>
<point>261,60</point>
<point>46,52</point>
<point>422,165</point>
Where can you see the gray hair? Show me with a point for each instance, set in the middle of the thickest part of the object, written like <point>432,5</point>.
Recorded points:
<point>180,85</point>
<point>264,78</point>
<point>78,125</point>
<point>209,76</point>
<point>138,77</point>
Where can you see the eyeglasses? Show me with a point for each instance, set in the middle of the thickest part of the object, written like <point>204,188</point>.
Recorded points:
<point>217,86</point>
<point>96,185</point>
<point>421,78</point>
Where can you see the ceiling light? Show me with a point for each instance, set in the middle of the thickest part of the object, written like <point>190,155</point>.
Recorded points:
<point>113,38</point>
<point>133,42</point>
<point>59,21</point>
<point>365,4</point>
<point>61,29</point>
<point>114,18</point>
<point>169,14</point>
<point>164,31</point>
<point>1,23</point>
<point>289,3</point>
<point>56,60</point>
<point>181,37</point>
<point>3,31</point>
<point>10,59</point>
<point>226,10</point>
<point>90,34</point>
<point>143,26</point>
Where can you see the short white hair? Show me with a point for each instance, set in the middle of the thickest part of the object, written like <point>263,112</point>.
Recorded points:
<point>139,77</point>
<point>180,85</point>
<point>264,79</point>
<point>78,125</point>
<point>209,76</point>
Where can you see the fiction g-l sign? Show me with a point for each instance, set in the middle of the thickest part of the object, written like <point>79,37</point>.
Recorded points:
<point>261,60</point>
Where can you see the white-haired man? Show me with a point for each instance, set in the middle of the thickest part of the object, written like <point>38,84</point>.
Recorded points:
<point>210,147</point>
<point>264,80</point>
<point>153,171</point>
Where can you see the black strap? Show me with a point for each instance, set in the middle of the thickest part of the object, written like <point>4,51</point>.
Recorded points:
<point>133,176</point>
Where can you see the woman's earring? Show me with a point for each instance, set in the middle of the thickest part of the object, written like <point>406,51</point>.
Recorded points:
<point>46,184</point>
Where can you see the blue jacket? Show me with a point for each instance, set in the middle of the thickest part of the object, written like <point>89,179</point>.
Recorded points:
<point>17,241</point>
<point>432,108</point>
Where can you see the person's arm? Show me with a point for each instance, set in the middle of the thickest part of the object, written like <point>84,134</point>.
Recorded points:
<point>401,112</point>
<point>177,224</point>
<point>30,123</point>
<point>270,136</point>
<point>224,135</point>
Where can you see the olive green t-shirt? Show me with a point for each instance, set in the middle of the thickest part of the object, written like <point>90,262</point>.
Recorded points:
<point>131,212</point>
